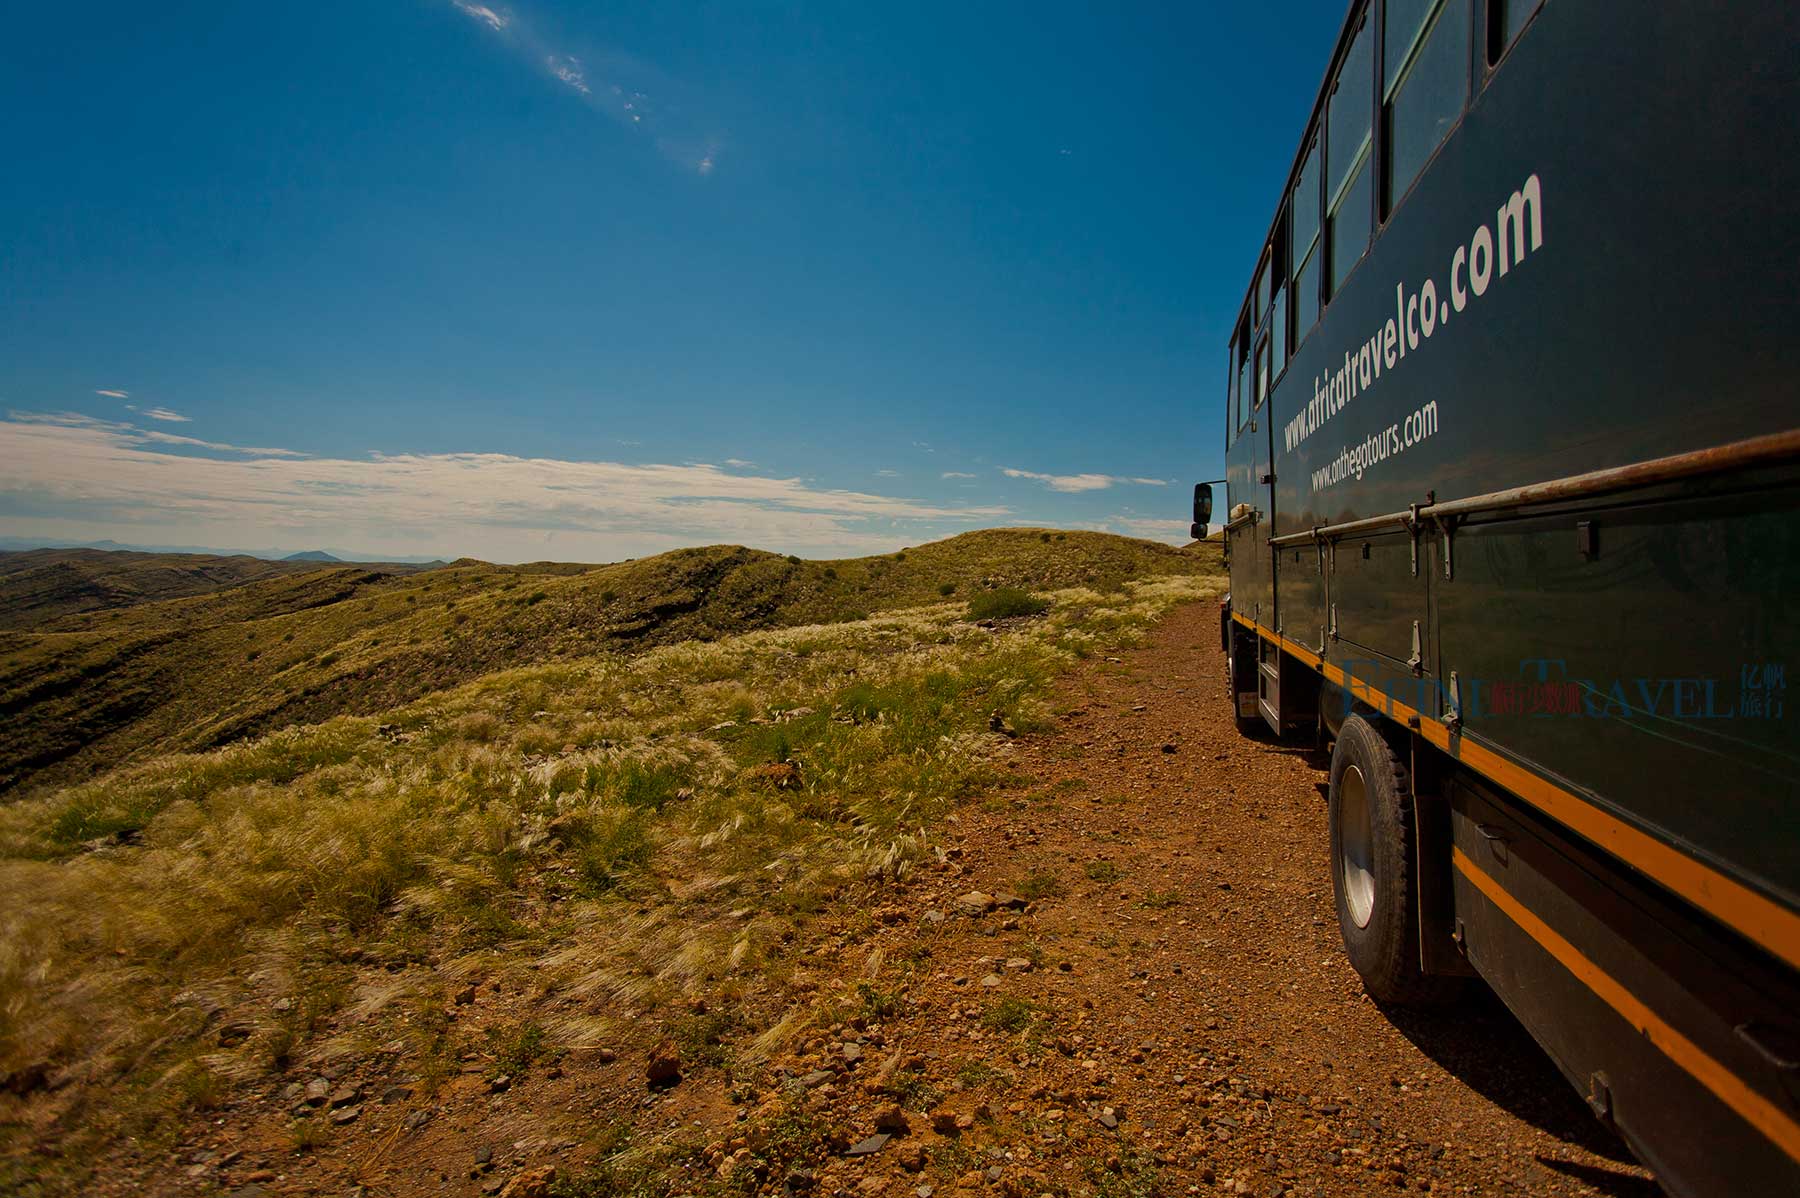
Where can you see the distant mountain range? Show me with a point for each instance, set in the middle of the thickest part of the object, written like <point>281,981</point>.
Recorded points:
<point>8,544</point>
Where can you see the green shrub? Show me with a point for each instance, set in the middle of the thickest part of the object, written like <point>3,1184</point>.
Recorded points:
<point>1103,872</point>
<point>1008,1015</point>
<point>1006,602</point>
<point>947,589</point>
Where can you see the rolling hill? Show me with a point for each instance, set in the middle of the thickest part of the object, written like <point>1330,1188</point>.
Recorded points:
<point>302,642</point>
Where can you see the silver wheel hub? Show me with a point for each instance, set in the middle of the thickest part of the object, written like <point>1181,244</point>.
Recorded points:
<point>1356,847</point>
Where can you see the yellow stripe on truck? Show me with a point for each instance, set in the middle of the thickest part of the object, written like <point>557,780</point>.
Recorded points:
<point>1752,915</point>
<point>1752,1107</point>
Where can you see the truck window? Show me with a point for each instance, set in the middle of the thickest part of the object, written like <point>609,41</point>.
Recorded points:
<point>1347,116</point>
<point>1243,379</point>
<point>1425,51</point>
<point>1304,242</point>
<point>1506,19</point>
<point>1278,322</point>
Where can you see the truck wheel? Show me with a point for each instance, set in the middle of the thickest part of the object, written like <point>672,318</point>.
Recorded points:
<point>1372,868</point>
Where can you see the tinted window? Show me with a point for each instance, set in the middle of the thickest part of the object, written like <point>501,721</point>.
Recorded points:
<point>1262,371</point>
<point>1350,227</point>
<point>1232,393</point>
<point>1306,297</point>
<point>1278,327</point>
<point>1347,115</point>
<point>1261,303</point>
<point>1507,18</point>
<point>1347,156</point>
<point>1432,85</point>
<point>1243,380</point>
<point>1306,205</point>
<point>1405,22</point>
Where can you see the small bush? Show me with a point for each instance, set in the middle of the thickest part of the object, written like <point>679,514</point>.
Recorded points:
<point>1103,872</point>
<point>1009,1015</point>
<point>1039,884</point>
<point>536,597</point>
<point>947,589</point>
<point>1005,603</point>
<point>702,1038</point>
<point>1160,900</point>
<point>830,572</point>
<point>876,1004</point>
<point>793,559</point>
<point>517,1050</point>
<point>608,596</point>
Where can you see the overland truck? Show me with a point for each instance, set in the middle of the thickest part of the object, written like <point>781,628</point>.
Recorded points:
<point>1512,511</point>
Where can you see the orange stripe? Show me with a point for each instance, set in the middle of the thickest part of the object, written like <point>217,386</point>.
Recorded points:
<point>1751,1106</point>
<point>1761,919</point>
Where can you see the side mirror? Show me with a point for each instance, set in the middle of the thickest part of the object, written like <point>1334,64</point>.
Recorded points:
<point>1202,510</point>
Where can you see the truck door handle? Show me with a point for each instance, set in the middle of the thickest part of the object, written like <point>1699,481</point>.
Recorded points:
<point>1267,479</point>
<point>1498,843</point>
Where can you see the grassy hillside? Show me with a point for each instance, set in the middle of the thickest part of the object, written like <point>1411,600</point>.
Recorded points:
<point>611,835</point>
<point>97,689</point>
<point>41,585</point>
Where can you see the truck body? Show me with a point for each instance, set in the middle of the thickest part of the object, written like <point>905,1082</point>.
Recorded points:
<point>1513,475</point>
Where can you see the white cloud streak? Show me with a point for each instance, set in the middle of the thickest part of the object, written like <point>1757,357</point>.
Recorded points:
<point>1072,483</point>
<point>615,85</point>
<point>484,14</point>
<point>166,414</point>
<point>76,469</point>
<point>955,474</point>
<point>568,69</point>
<point>114,394</point>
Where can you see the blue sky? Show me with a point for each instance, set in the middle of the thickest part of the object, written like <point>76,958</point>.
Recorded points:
<point>587,281</point>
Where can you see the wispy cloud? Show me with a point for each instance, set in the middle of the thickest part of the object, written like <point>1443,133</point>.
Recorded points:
<point>166,414</point>
<point>114,394</point>
<point>955,474</point>
<point>484,14</point>
<point>568,69</point>
<point>735,463</point>
<point>887,474</point>
<point>110,478</point>
<point>615,85</point>
<point>1081,482</point>
<point>131,434</point>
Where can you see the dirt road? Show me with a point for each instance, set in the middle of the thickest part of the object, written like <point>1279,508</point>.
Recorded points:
<point>1193,982</point>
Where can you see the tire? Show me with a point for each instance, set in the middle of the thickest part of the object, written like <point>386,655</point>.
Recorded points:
<point>1372,869</point>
